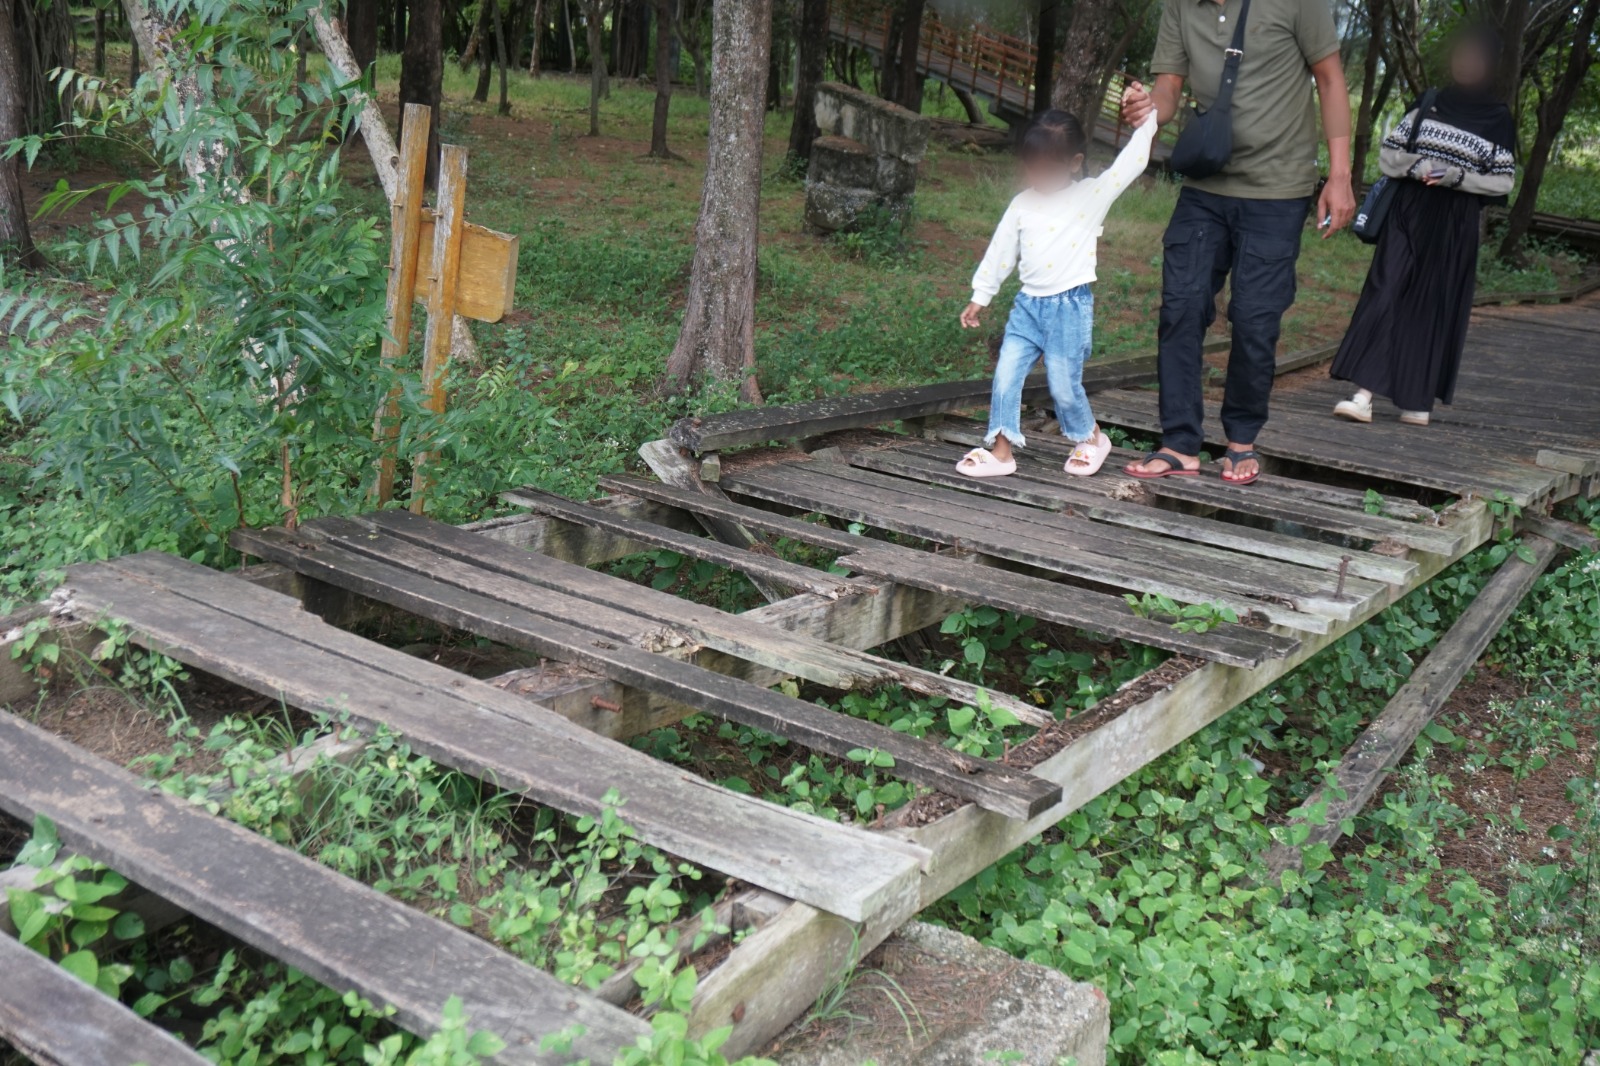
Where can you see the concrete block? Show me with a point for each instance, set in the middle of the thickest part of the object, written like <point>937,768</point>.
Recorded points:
<point>885,128</point>
<point>831,208</point>
<point>841,161</point>
<point>934,997</point>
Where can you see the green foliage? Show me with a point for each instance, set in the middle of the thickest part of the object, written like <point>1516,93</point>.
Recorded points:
<point>1186,618</point>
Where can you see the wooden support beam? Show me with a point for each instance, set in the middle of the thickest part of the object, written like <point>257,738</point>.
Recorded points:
<point>1567,534</point>
<point>673,468</point>
<point>1386,740</point>
<point>444,279</point>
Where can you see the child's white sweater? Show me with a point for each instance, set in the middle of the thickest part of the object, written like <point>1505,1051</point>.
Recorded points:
<point>1050,238</point>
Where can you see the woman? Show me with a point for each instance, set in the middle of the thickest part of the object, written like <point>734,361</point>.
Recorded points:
<point>1410,324</point>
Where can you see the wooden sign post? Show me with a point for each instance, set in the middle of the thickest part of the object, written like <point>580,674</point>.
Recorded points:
<point>470,271</point>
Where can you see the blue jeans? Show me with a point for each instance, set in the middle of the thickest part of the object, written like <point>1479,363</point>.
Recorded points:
<point>1059,328</point>
<point>1209,238</point>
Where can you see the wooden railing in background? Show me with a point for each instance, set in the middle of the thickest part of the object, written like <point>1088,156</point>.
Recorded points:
<point>977,60</point>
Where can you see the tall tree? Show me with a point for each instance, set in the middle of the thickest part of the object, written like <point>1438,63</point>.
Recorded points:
<point>658,122</point>
<point>16,242</point>
<point>594,19</point>
<point>718,335</point>
<point>1555,102</point>
<point>902,81</point>
<point>422,70</point>
<point>691,34</point>
<point>1367,113</point>
<point>361,30</point>
<point>810,65</point>
<point>1045,64</point>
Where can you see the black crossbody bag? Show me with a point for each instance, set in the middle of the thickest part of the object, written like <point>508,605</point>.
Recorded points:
<point>1375,208</point>
<point>1206,143</point>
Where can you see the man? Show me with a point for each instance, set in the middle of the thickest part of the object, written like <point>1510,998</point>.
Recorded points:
<point>1246,220</point>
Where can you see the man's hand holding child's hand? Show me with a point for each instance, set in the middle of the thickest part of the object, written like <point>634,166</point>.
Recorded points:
<point>972,317</point>
<point>1136,104</point>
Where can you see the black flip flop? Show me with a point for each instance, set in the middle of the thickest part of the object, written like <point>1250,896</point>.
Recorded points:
<point>1175,467</point>
<point>1237,457</point>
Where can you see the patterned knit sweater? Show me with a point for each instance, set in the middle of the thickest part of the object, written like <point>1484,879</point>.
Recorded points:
<point>1471,163</point>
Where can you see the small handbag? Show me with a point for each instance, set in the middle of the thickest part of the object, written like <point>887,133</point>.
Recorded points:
<point>1206,143</point>
<point>1375,207</point>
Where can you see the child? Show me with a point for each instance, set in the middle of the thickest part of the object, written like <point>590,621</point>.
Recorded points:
<point>1048,234</point>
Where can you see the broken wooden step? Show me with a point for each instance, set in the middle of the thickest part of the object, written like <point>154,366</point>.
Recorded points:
<point>265,642</point>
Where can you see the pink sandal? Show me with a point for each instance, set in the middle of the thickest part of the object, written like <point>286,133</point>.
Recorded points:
<point>1089,456</point>
<point>980,462</point>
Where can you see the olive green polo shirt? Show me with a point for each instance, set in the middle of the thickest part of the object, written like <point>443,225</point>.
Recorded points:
<point>1274,106</point>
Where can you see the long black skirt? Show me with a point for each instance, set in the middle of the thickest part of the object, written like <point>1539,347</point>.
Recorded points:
<point>1410,324</point>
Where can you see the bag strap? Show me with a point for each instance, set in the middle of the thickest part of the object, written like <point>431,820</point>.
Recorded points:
<point>1230,65</point>
<point>1424,105</point>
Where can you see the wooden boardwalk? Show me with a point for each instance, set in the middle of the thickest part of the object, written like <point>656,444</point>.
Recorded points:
<point>1346,521</point>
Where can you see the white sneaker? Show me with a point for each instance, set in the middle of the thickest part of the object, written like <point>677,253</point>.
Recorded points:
<point>1414,418</point>
<point>1355,409</point>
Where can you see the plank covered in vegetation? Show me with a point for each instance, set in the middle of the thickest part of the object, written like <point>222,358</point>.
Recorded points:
<point>264,642</point>
<point>1384,742</point>
<point>390,576</point>
<point>344,934</point>
<point>761,424</point>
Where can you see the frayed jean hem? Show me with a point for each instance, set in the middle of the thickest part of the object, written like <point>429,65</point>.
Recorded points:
<point>1013,437</point>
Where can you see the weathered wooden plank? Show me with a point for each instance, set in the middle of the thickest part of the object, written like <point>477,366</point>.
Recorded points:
<point>206,619</point>
<point>1384,742</point>
<point>743,559</point>
<point>1041,462</point>
<point>986,783</point>
<point>1234,644</point>
<point>792,486</point>
<point>795,529</point>
<point>1111,511</point>
<point>336,930</point>
<point>57,1020</point>
<point>759,425</point>
<point>737,635</point>
<point>1567,534</point>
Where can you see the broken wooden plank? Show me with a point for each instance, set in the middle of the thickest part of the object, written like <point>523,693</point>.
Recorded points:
<point>738,635</point>
<point>57,1020</point>
<point>338,931</point>
<point>208,620</point>
<point>1567,534</point>
<point>666,461</point>
<point>748,561</point>
<point>762,424</point>
<point>1386,740</point>
<point>1051,601</point>
<point>980,781</point>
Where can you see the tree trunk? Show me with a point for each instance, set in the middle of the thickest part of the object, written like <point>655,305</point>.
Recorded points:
<point>809,68</point>
<point>594,24</point>
<point>1088,57</point>
<point>399,27</point>
<point>422,70</point>
<point>1045,65</point>
<point>100,42</point>
<point>908,79</point>
<point>501,46</point>
<point>658,122</point>
<point>718,336</point>
<point>477,51</point>
<point>1366,114</point>
<point>572,46</point>
<point>536,47</point>
<point>361,30</point>
<point>16,242</point>
<point>1552,116</point>
<point>690,36</point>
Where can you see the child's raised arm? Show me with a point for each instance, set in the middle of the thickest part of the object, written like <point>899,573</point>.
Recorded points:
<point>1000,260</point>
<point>1132,161</point>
